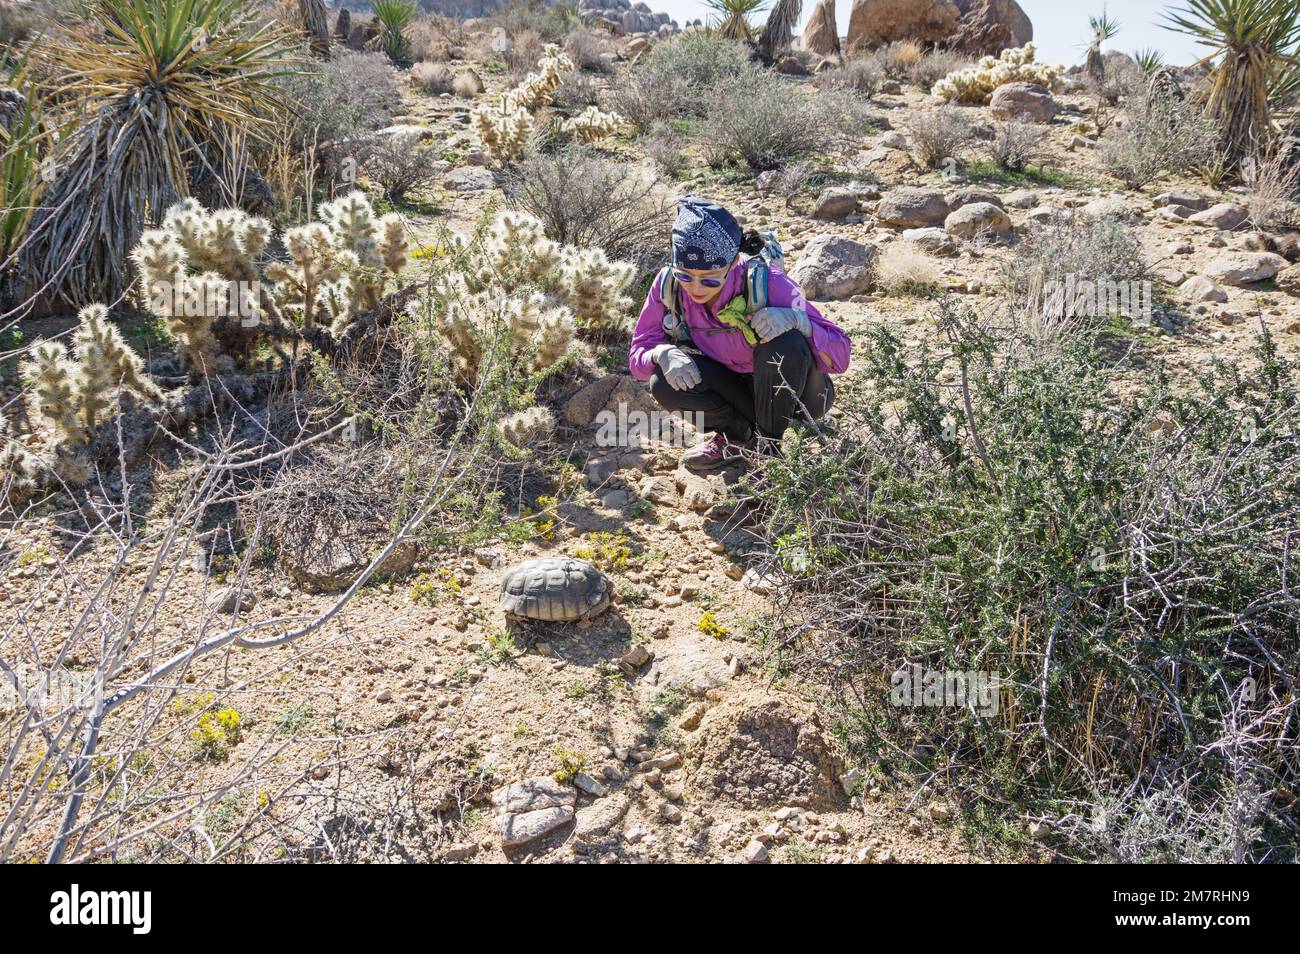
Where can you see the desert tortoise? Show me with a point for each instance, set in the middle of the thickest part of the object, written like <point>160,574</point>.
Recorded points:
<point>555,589</point>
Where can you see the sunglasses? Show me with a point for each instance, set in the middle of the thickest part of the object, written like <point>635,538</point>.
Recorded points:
<point>686,279</point>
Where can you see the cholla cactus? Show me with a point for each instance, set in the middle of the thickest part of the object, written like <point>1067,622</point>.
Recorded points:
<point>106,366</point>
<point>68,396</point>
<point>590,125</point>
<point>503,129</point>
<point>976,84</point>
<point>534,90</point>
<point>19,468</point>
<point>201,267</point>
<point>504,124</point>
<point>592,286</point>
<point>469,322</point>
<point>526,427</point>
<point>516,251</point>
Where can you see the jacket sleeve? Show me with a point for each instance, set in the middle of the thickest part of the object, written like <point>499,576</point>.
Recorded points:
<point>648,335</point>
<point>830,345</point>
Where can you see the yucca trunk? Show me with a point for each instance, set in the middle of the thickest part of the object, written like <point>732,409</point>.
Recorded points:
<point>315,23</point>
<point>1239,102</point>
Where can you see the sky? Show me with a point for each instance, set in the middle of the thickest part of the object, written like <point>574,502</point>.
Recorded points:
<point>1060,28</point>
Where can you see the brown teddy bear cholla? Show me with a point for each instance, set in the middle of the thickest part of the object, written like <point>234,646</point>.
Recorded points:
<point>555,589</point>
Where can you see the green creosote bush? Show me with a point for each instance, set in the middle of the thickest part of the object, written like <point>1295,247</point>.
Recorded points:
<point>1124,563</point>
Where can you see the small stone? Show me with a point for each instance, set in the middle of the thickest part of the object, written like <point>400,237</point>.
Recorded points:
<point>755,853</point>
<point>588,784</point>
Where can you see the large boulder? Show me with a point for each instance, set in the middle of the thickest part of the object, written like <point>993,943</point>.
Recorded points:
<point>1025,102</point>
<point>987,27</point>
<point>831,266</point>
<point>1225,216</point>
<point>820,35</point>
<point>1245,268</point>
<point>912,207</point>
<point>873,22</point>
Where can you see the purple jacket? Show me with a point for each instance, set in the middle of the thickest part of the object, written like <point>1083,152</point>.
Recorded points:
<point>726,345</point>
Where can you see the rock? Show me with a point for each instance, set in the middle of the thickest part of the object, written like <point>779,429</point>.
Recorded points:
<point>660,489</point>
<point>1049,215</point>
<point>1112,207</point>
<point>790,65</point>
<point>987,27</point>
<point>851,781</point>
<point>1173,213</point>
<point>755,853</point>
<point>596,820</point>
<point>834,204</point>
<point>1025,102</point>
<point>886,163</point>
<point>1225,215</point>
<point>761,583</point>
<point>581,409</point>
<point>873,23</point>
<point>343,25</point>
<point>693,670</point>
<point>833,267</point>
<point>588,784</point>
<point>1188,200</point>
<point>1170,276</point>
<point>972,194</point>
<point>533,794</point>
<point>820,34</point>
<point>1245,268</point>
<point>978,219</point>
<point>520,828</point>
<point>662,763</point>
<point>1022,199</point>
<point>935,241</point>
<point>893,140</point>
<point>1288,280</point>
<point>912,207</point>
<point>634,659</point>
<point>228,599</point>
<point>615,499</point>
<point>1200,289</point>
<point>469,179</point>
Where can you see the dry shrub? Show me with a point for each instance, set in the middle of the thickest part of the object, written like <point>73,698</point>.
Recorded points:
<point>584,199</point>
<point>1162,135</point>
<point>1274,190</point>
<point>590,50</point>
<point>863,75</point>
<point>934,66</point>
<point>434,78</point>
<point>666,148</point>
<point>401,164</point>
<point>939,134</point>
<point>898,57</point>
<point>1014,144</point>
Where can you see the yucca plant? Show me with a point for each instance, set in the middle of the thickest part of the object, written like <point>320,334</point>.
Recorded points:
<point>394,17</point>
<point>1148,59</point>
<point>160,90</point>
<point>315,26</point>
<point>25,143</point>
<point>1253,60</point>
<point>733,17</point>
<point>779,29</point>
<point>1103,28</point>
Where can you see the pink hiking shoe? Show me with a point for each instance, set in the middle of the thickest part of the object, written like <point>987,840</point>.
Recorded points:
<point>717,451</point>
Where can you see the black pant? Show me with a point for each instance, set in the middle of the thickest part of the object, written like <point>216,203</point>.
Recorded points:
<point>739,405</point>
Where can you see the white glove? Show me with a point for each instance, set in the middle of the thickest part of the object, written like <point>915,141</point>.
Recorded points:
<point>679,370</point>
<point>769,323</point>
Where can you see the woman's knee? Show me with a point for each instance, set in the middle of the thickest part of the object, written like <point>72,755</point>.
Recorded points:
<point>790,346</point>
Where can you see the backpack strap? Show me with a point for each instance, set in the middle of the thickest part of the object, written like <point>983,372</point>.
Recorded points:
<point>756,277</point>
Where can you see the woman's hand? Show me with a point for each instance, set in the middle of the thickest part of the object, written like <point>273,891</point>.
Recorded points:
<point>770,322</point>
<point>679,370</point>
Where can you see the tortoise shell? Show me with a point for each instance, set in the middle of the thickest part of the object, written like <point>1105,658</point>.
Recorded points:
<point>555,589</point>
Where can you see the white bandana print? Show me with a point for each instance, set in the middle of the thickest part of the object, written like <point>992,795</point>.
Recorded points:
<point>708,244</point>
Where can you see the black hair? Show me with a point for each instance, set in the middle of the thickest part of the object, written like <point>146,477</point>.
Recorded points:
<point>751,243</point>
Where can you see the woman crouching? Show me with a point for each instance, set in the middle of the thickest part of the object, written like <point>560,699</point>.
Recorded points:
<point>745,372</point>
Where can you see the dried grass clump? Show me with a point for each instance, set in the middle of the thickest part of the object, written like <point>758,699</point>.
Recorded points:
<point>902,269</point>
<point>1014,144</point>
<point>432,78</point>
<point>975,84</point>
<point>1162,135</point>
